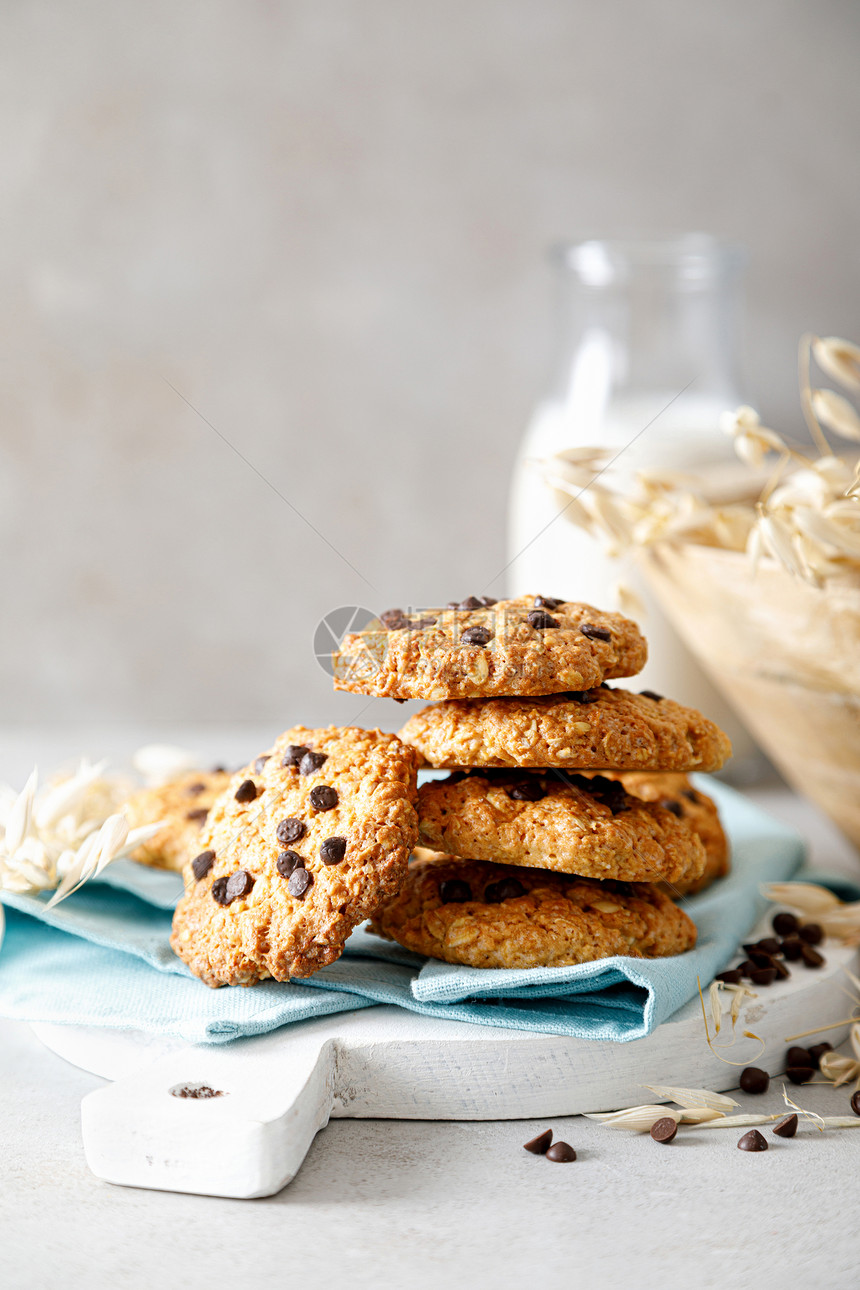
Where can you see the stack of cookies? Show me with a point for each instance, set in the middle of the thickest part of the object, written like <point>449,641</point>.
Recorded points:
<point>563,831</point>
<point>567,824</point>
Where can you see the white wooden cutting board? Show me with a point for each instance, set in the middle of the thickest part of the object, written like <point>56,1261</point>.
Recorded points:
<point>278,1090</point>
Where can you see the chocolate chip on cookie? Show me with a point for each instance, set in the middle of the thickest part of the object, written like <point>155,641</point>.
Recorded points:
<point>609,792</point>
<point>333,850</point>
<point>476,636</point>
<point>199,814</point>
<point>528,790</point>
<point>201,864</point>
<point>488,602</point>
<point>595,633</point>
<point>260,762</point>
<point>540,620</point>
<point>219,891</point>
<point>323,797</point>
<point>287,861</point>
<point>471,602</point>
<point>393,619</point>
<point>507,889</point>
<point>239,884</point>
<point>195,789</point>
<point>294,754</point>
<point>652,694</point>
<point>581,696</point>
<point>311,762</point>
<point>669,804</point>
<point>247,791</point>
<point>454,892</point>
<point>290,830</point>
<point>300,883</point>
<point>547,602</point>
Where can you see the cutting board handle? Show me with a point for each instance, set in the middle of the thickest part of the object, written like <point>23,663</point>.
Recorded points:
<point>156,1128</point>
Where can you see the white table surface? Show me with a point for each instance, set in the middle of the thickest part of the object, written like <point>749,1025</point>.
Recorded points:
<point>378,1203</point>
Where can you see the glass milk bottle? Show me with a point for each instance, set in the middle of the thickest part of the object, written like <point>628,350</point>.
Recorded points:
<point>645,364</point>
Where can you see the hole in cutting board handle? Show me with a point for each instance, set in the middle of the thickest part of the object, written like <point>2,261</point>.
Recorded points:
<point>196,1091</point>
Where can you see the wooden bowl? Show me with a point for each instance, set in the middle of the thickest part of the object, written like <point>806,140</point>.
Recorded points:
<point>786,655</point>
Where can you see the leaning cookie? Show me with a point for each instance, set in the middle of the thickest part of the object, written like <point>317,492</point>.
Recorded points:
<point>482,648</point>
<point>497,916</point>
<point>183,804</point>
<point>675,793</point>
<point>300,848</point>
<point>595,729</point>
<point>558,820</point>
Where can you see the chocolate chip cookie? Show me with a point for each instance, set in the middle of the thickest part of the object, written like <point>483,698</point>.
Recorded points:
<point>674,792</point>
<point>482,648</point>
<point>301,847</point>
<point>499,916</point>
<point>598,729</point>
<point>559,820</point>
<point>183,804</point>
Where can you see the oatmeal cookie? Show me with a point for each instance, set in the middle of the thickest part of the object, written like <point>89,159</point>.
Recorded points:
<point>676,793</point>
<point>183,804</point>
<point>483,648</point>
<point>300,848</point>
<point>558,820</point>
<point>600,729</point>
<point>491,915</point>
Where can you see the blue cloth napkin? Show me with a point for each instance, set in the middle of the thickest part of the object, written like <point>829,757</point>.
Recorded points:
<point>102,957</point>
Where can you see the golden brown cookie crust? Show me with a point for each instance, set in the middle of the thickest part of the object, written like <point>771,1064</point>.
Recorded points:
<point>183,804</point>
<point>269,931</point>
<point>588,827</point>
<point>549,920</point>
<point>613,729</point>
<point>698,810</point>
<point>434,662</point>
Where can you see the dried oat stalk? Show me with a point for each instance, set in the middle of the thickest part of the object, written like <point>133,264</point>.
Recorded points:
<point>694,1106</point>
<point>811,1116</point>
<point>740,994</point>
<point>641,1119</point>
<point>57,837</point>
<point>837,918</point>
<point>839,1068</point>
<point>742,1121</point>
<point>690,1097</point>
<point>807,517</point>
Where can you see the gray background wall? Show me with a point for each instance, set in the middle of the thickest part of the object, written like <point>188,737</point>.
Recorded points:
<point>323,222</point>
